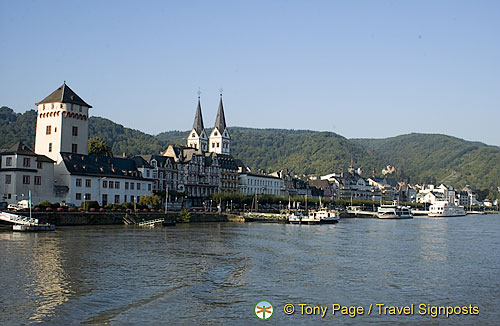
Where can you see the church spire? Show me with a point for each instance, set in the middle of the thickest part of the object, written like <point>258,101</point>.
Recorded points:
<point>198,119</point>
<point>220,121</point>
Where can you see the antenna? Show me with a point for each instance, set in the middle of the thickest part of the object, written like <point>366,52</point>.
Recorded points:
<point>220,91</point>
<point>198,92</point>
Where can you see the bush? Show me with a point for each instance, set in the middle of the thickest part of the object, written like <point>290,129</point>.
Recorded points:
<point>184,216</point>
<point>87,205</point>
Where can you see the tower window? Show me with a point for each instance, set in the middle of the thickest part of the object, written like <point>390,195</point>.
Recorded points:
<point>218,145</point>
<point>74,148</point>
<point>48,130</point>
<point>50,147</point>
<point>26,179</point>
<point>75,131</point>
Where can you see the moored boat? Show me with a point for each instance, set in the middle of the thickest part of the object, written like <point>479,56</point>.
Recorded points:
<point>446,209</point>
<point>394,212</point>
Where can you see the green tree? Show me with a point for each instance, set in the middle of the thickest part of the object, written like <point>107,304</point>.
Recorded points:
<point>98,146</point>
<point>150,200</point>
<point>184,216</point>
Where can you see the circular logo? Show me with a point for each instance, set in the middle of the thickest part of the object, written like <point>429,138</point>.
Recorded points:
<point>263,309</point>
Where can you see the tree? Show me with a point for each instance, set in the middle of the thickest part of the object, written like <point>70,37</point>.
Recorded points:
<point>98,146</point>
<point>150,200</point>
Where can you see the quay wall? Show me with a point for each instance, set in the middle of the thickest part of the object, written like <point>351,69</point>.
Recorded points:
<point>115,218</point>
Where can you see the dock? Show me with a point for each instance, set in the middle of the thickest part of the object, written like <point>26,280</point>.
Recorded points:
<point>24,223</point>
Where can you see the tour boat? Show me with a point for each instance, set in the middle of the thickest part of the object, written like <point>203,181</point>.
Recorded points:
<point>446,209</point>
<point>394,212</point>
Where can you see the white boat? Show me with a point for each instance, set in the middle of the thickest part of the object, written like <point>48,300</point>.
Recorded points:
<point>394,212</point>
<point>321,216</point>
<point>446,209</point>
<point>295,218</point>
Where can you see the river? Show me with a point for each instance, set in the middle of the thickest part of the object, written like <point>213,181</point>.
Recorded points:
<point>215,273</point>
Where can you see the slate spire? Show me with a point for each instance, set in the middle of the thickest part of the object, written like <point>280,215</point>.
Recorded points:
<point>198,119</point>
<point>220,121</point>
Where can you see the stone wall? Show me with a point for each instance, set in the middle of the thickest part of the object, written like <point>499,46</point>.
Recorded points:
<point>110,218</point>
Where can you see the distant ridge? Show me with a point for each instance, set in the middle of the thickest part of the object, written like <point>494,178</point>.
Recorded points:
<point>419,158</point>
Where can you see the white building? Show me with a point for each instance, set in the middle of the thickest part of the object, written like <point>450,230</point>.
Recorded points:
<point>22,171</point>
<point>62,135</point>
<point>62,124</point>
<point>251,184</point>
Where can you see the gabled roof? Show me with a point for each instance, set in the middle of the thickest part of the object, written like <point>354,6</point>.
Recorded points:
<point>220,121</point>
<point>64,94</point>
<point>198,120</point>
<point>20,148</point>
<point>100,165</point>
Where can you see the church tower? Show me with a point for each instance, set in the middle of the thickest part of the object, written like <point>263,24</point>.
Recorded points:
<point>220,140</point>
<point>62,124</point>
<point>197,137</point>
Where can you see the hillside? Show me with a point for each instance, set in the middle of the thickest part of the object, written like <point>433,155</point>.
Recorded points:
<point>439,159</point>
<point>421,158</point>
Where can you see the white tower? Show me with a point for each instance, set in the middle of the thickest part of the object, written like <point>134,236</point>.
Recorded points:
<point>220,140</point>
<point>62,124</point>
<point>197,137</point>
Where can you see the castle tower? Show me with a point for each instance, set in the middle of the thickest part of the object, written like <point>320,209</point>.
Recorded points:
<point>220,140</point>
<point>62,124</point>
<point>197,137</point>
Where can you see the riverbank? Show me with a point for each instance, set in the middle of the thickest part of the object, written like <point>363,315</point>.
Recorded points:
<point>116,218</point>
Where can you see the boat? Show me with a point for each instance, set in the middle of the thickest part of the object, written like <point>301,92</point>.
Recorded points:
<point>394,212</point>
<point>321,216</point>
<point>33,227</point>
<point>446,209</point>
<point>295,218</point>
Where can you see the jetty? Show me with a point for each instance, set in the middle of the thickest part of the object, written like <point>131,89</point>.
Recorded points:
<point>24,223</point>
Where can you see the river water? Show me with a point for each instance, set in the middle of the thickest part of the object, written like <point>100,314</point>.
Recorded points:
<point>215,273</point>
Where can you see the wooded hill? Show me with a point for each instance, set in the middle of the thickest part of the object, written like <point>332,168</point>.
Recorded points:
<point>419,158</point>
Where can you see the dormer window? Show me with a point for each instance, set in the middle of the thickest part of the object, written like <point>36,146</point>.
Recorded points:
<point>193,135</point>
<point>215,133</point>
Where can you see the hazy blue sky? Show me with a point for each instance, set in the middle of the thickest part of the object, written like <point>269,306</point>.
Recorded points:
<point>358,68</point>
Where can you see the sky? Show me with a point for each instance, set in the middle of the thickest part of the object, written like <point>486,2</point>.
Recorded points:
<point>362,69</point>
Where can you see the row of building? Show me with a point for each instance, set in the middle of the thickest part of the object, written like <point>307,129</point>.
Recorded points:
<point>61,170</point>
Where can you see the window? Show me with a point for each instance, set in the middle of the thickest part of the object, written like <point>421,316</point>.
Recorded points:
<point>132,185</point>
<point>117,199</point>
<point>132,199</point>
<point>87,196</point>
<point>48,130</point>
<point>149,187</point>
<point>8,179</point>
<point>9,196</point>
<point>138,186</point>
<point>74,148</point>
<point>78,182</point>
<point>50,147</point>
<point>213,144</point>
<point>38,180</point>
<point>104,184</point>
<point>148,173</point>
<point>78,196</point>
<point>26,179</point>
<point>218,144</point>
<point>111,184</point>
<point>117,185</point>
<point>38,165</point>
<point>126,185</point>
<point>125,198</point>
<point>104,200</point>
<point>27,162</point>
<point>8,161</point>
<point>75,131</point>
<point>88,183</point>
